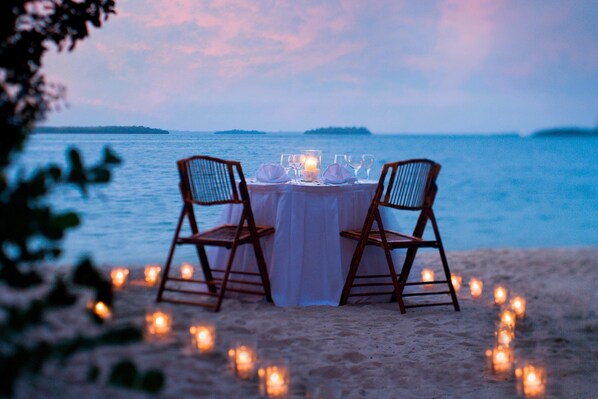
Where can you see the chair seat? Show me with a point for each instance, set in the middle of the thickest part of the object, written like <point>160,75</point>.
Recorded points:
<point>224,235</point>
<point>394,239</point>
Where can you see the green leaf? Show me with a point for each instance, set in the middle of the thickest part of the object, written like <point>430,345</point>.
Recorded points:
<point>152,381</point>
<point>60,295</point>
<point>110,157</point>
<point>123,374</point>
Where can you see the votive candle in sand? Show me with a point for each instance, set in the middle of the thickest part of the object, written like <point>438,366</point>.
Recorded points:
<point>203,337</point>
<point>158,322</point>
<point>457,280</point>
<point>186,271</point>
<point>517,304</point>
<point>427,277</point>
<point>119,276</point>
<point>532,379</point>
<point>151,273</point>
<point>507,318</point>
<point>504,335</point>
<point>243,360</point>
<point>500,294</point>
<point>475,287</point>
<point>277,378</point>
<point>100,309</point>
<point>501,359</point>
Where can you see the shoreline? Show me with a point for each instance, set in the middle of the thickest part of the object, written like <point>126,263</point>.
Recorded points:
<point>371,350</point>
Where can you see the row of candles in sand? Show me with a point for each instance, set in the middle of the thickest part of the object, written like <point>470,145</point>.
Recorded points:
<point>151,274</point>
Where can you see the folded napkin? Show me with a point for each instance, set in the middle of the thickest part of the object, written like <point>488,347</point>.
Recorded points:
<point>338,174</point>
<point>271,173</point>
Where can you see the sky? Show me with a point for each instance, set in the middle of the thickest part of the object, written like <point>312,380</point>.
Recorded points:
<point>414,66</point>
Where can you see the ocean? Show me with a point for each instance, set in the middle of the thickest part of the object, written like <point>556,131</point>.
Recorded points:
<point>494,191</point>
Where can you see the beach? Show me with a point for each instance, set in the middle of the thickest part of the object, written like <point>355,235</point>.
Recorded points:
<point>366,350</point>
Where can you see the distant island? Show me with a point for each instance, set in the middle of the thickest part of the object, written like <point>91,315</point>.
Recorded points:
<point>100,130</point>
<point>237,131</point>
<point>354,131</point>
<point>566,132</point>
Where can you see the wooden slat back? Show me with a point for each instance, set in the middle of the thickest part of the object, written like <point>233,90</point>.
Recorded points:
<point>210,181</point>
<point>408,184</point>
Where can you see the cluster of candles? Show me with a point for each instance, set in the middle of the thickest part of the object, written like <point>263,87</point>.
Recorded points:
<point>151,274</point>
<point>531,378</point>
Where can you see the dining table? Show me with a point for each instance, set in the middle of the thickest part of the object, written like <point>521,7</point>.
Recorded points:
<point>306,257</point>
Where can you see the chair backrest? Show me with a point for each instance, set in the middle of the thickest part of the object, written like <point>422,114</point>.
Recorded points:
<point>408,185</point>
<point>210,181</point>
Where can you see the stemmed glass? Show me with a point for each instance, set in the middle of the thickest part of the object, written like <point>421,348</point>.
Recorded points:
<point>355,162</point>
<point>286,162</point>
<point>340,159</point>
<point>297,161</point>
<point>368,162</point>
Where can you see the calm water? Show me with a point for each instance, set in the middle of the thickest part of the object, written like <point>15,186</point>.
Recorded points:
<point>493,191</point>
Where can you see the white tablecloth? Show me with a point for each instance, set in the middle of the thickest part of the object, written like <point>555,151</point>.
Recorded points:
<point>307,259</point>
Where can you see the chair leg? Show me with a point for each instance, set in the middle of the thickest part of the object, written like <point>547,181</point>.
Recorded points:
<point>445,265</point>
<point>170,256</point>
<point>261,264</point>
<point>229,265</point>
<point>389,262</point>
<point>355,261</point>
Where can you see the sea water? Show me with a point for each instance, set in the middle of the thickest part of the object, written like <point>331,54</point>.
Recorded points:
<point>494,191</point>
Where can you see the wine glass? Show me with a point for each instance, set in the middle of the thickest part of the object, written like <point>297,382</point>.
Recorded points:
<point>285,161</point>
<point>368,162</point>
<point>340,159</point>
<point>355,162</point>
<point>297,161</point>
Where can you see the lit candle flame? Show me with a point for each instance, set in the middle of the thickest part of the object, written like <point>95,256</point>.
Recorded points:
<point>158,323</point>
<point>186,271</point>
<point>500,294</point>
<point>518,306</point>
<point>151,273</point>
<point>457,281</point>
<point>119,276</point>
<point>476,287</point>
<point>427,276</point>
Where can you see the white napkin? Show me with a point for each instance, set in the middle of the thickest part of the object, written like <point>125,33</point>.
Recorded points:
<point>338,174</point>
<point>271,173</point>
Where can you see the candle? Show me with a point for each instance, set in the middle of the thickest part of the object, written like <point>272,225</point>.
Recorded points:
<point>507,318</point>
<point>204,337</point>
<point>151,273</point>
<point>158,323</point>
<point>243,360</point>
<point>457,280</point>
<point>501,359</point>
<point>427,276</point>
<point>186,271</point>
<point>311,164</point>
<point>476,286</point>
<point>518,306</point>
<point>277,385</point>
<point>504,335</point>
<point>500,294</point>
<point>532,379</point>
<point>119,276</point>
<point>100,309</point>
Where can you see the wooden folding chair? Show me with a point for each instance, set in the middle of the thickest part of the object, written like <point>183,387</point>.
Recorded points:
<point>206,181</point>
<point>410,186</point>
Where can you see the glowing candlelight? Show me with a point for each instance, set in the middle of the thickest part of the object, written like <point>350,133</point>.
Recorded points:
<point>186,271</point>
<point>532,379</point>
<point>518,306</point>
<point>311,164</point>
<point>500,294</point>
<point>507,318</point>
<point>501,359</point>
<point>158,323</point>
<point>475,287</point>
<point>277,381</point>
<point>151,273</point>
<point>101,310</point>
<point>204,337</point>
<point>119,276</point>
<point>243,360</point>
<point>427,276</point>
<point>505,335</point>
<point>457,280</point>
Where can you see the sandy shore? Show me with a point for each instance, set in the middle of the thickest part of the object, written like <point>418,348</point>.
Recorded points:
<point>371,350</point>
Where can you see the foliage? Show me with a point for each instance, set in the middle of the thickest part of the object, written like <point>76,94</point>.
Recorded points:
<point>101,130</point>
<point>31,231</point>
<point>362,131</point>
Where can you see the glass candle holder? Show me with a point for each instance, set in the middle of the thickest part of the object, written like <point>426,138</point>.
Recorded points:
<point>243,359</point>
<point>119,276</point>
<point>476,286</point>
<point>158,323</point>
<point>501,359</point>
<point>457,281</point>
<point>186,271</point>
<point>504,334</point>
<point>312,165</point>
<point>518,305</point>
<point>427,277</point>
<point>500,294</point>
<point>203,336</point>
<point>151,274</point>
<point>507,318</point>
<point>531,380</point>
<point>274,379</point>
<point>100,309</point>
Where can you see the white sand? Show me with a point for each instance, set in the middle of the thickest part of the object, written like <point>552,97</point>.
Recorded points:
<point>371,350</point>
